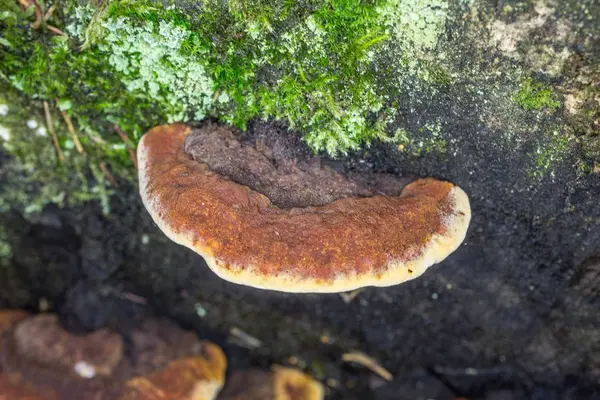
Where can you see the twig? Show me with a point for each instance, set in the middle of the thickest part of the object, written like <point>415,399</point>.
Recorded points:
<point>245,339</point>
<point>98,139</point>
<point>134,298</point>
<point>50,124</point>
<point>39,15</point>
<point>368,362</point>
<point>71,130</point>
<point>125,140</point>
<point>55,30</point>
<point>110,177</point>
<point>49,12</point>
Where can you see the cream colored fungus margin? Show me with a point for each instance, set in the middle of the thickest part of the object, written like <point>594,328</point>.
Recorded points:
<point>437,249</point>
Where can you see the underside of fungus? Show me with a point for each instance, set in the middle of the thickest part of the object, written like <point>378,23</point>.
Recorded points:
<point>269,241</point>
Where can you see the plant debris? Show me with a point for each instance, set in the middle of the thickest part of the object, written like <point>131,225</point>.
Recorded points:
<point>368,362</point>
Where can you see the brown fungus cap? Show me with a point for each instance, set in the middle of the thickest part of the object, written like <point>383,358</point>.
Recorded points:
<point>39,360</point>
<point>339,246</point>
<point>192,378</point>
<point>280,384</point>
<point>42,340</point>
<point>42,354</point>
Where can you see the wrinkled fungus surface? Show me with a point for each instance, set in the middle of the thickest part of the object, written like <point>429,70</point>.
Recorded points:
<point>39,360</point>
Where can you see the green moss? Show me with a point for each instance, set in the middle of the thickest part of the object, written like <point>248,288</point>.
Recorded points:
<point>40,66</point>
<point>34,177</point>
<point>535,95</point>
<point>316,65</point>
<point>311,65</point>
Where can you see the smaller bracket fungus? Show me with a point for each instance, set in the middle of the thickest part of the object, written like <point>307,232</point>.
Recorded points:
<point>280,384</point>
<point>39,360</point>
<point>358,238</point>
<point>43,341</point>
<point>58,364</point>
<point>192,378</point>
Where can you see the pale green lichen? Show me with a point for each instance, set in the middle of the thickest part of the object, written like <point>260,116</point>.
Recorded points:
<point>154,63</point>
<point>427,139</point>
<point>79,21</point>
<point>415,24</point>
<point>554,149</point>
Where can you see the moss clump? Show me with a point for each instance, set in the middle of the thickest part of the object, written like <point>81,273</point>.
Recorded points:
<point>40,66</point>
<point>312,65</point>
<point>534,95</point>
<point>332,69</point>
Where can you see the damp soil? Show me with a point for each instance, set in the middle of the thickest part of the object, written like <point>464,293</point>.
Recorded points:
<point>513,312</point>
<point>280,167</point>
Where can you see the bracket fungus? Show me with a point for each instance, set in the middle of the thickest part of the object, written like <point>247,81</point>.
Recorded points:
<point>248,238</point>
<point>279,384</point>
<point>39,354</point>
<point>43,341</point>
<point>191,378</point>
<point>39,360</point>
